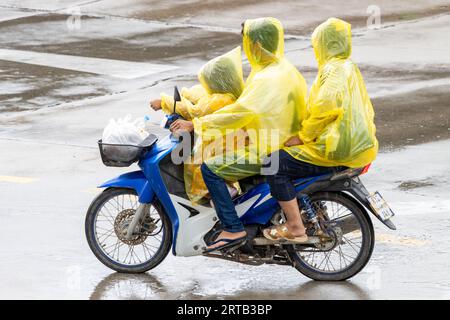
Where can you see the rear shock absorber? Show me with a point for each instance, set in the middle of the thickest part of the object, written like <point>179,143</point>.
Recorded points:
<point>311,214</point>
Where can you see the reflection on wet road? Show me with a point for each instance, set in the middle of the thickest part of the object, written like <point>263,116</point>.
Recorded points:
<point>147,287</point>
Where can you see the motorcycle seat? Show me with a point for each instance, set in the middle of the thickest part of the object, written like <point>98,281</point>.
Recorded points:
<point>339,174</point>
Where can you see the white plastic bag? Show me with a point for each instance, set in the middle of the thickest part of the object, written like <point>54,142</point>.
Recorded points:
<point>125,131</point>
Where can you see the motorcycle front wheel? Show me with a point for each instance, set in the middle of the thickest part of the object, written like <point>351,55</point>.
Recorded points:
<point>106,225</point>
<point>353,234</point>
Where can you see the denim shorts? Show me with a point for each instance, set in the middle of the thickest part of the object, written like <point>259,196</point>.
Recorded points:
<point>281,181</point>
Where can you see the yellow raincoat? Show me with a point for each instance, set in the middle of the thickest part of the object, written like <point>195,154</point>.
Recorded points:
<point>270,109</point>
<point>189,97</point>
<point>222,82</point>
<point>339,130</point>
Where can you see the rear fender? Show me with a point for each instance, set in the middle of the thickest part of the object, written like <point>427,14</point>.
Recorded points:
<point>360,192</point>
<point>133,180</point>
<point>350,185</point>
<point>355,188</point>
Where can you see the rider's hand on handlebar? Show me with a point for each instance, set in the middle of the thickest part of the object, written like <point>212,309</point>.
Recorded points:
<point>293,141</point>
<point>155,104</point>
<point>182,125</point>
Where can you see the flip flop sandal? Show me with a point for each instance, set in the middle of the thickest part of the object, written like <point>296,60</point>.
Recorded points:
<point>228,243</point>
<point>281,232</point>
<point>271,233</point>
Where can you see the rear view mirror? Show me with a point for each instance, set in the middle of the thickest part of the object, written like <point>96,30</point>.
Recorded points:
<point>176,97</point>
<point>176,94</point>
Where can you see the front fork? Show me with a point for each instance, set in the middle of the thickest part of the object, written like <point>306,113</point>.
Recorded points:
<point>137,218</point>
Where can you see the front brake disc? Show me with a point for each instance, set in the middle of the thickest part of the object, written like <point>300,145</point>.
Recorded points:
<point>121,224</point>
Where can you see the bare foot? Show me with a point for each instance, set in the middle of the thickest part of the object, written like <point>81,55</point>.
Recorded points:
<point>296,234</point>
<point>227,235</point>
<point>296,230</point>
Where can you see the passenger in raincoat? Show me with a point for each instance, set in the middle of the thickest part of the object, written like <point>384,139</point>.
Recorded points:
<point>221,83</point>
<point>338,132</point>
<point>270,110</point>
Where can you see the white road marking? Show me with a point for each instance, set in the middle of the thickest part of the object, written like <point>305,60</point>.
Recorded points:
<point>13,179</point>
<point>402,241</point>
<point>410,87</point>
<point>114,68</point>
<point>8,15</point>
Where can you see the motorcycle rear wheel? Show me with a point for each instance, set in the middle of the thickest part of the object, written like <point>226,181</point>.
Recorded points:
<point>112,209</point>
<point>357,253</point>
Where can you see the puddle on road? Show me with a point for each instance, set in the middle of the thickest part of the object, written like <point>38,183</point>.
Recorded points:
<point>415,184</point>
<point>26,87</point>
<point>115,68</point>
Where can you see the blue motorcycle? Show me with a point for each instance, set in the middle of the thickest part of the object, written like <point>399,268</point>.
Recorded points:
<point>140,216</point>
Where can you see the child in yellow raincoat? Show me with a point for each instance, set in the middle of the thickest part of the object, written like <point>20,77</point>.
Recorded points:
<point>221,84</point>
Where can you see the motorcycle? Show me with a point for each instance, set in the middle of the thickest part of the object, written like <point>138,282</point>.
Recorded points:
<point>141,215</point>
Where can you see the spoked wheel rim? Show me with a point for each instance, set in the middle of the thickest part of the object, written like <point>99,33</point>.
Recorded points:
<point>110,227</point>
<point>346,248</point>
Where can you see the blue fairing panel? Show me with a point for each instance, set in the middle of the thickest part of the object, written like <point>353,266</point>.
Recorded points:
<point>259,213</point>
<point>150,165</point>
<point>262,212</point>
<point>133,180</point>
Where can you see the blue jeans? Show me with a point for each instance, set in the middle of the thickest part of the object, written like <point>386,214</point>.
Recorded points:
<point>222,200</point>
<point>281,182</point>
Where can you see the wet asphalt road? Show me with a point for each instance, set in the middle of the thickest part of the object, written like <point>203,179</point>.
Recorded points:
<point>52,111</point>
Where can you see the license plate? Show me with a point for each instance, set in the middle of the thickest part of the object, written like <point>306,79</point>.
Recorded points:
<point>380,206</point>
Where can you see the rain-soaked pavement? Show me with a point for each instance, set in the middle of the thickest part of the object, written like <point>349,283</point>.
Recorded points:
<point>63,76</point>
